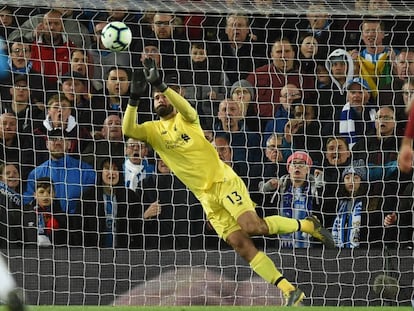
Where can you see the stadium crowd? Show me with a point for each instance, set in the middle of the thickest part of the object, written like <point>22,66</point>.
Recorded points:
<point>309,110</point>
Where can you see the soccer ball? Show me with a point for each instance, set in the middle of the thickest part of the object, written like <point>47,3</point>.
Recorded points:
<point>116,36</point>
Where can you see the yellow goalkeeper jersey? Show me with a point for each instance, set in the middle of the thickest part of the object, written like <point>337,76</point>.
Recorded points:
<point>181,144</point>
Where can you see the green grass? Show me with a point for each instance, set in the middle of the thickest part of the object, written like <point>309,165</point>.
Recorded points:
<point>210,308</point>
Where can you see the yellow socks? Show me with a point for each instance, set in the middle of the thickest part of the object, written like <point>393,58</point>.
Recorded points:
<point>266,269</point>
<point>281,225</point>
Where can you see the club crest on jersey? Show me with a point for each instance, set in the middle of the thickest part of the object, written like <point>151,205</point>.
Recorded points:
<point>180,141</point>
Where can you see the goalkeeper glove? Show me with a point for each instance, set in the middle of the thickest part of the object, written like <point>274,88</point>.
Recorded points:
<point>138,87</point>
<point>153,75</point>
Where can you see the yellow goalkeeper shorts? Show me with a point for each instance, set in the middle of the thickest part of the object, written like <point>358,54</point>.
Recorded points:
<point>224,202</point>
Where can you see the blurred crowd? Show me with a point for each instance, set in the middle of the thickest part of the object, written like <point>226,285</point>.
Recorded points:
<point>309,109</point>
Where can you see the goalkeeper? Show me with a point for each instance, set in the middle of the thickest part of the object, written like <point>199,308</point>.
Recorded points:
<point>179,140</point>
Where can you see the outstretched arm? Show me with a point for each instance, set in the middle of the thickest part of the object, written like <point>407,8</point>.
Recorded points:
<point>130,127</point>
<point>152,75</point>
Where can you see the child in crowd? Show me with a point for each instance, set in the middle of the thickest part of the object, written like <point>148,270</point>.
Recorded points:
<point>45,214</point>
<point>347,225</point>
<point>299,197</point>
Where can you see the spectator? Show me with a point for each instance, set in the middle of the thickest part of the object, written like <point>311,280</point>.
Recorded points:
<point>10,208</point>
<point>116,92</point>
<point>110,211</point>
<point>172,46</point>
<point>238,52</point>
<point>82,62</point>
<point>108,142</point>
<point>75,31</point>
<point>337,157</point>
<point>273,167</point>
<point>207,82</point>
<point>225,152</point>
<point>59,115</point>
<point>308,54</point>
<point>347,227</point>
<point>245,143</point>
<point>269,79</point>
<point>44,222</point>
<point>70,176</point>
<point>74,87</point>
<point>243,92</point>
<point>375,60</point>
<point>289,95</point>
<point>10,177</point>
<point>173,218</point>
<point>14,148</point>
<point>393,93</point>
<point>20,63</point>
<point>333,96</point>
<point>105,60</point>
<point>28,115</point>
<point>307,136</point>
<point>323,27</point>
<point>8,21</point>
<point>51,48</point>
<point>358,114</point>
<point>137,165</point>
<point>298,193</point>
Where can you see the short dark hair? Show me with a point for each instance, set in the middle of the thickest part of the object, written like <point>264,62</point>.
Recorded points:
<point>44,182</point>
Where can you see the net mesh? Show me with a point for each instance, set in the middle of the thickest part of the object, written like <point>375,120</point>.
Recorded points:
<point>159,248</point>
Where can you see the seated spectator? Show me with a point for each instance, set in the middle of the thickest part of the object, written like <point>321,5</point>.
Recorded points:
<point>173,46</point>
<point>28,114</point>
<point>70,176</point>
<point>15,148</point>
<point>11,235</point>
<point>8,21</point>
<point>308,54</point>
<point>390,94</point>
<point>136,166</point>
<point>245,144</point>
<point>358,115</point>
<point>324,27</point>
<point>243,92</point>
<point>299,196</point>
<point>289,95</point>
<point>71,27</point>
<point>105,60</point>
<point>116,94</point>
<point>88,110</point>
<point>239,55</point>
<point>173,217</point>
<point>225,152</point>
<point>333,96</point>
<point>375,60</point>
<point>51,48</point>
<point>273,167</point>
<point>337,157</point>
<point>44,221</point>
<point>269,79</point>
<point>59,115</point>
<point>307,137</point>
<point>207,82</point>
<point>10,178</point>
<point>110,212</point>
<point>20,63</point>
<point>108,142</point>
<point>348,225</point>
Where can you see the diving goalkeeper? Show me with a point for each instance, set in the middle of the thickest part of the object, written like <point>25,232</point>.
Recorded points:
<point>179,140</point>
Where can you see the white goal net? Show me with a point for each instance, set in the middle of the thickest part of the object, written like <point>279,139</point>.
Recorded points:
<point>91,217</point>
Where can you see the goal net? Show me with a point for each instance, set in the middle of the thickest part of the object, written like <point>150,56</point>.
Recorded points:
<point>91,217</point>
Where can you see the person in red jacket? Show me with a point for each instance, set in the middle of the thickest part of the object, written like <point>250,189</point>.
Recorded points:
<point>52,48</point>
